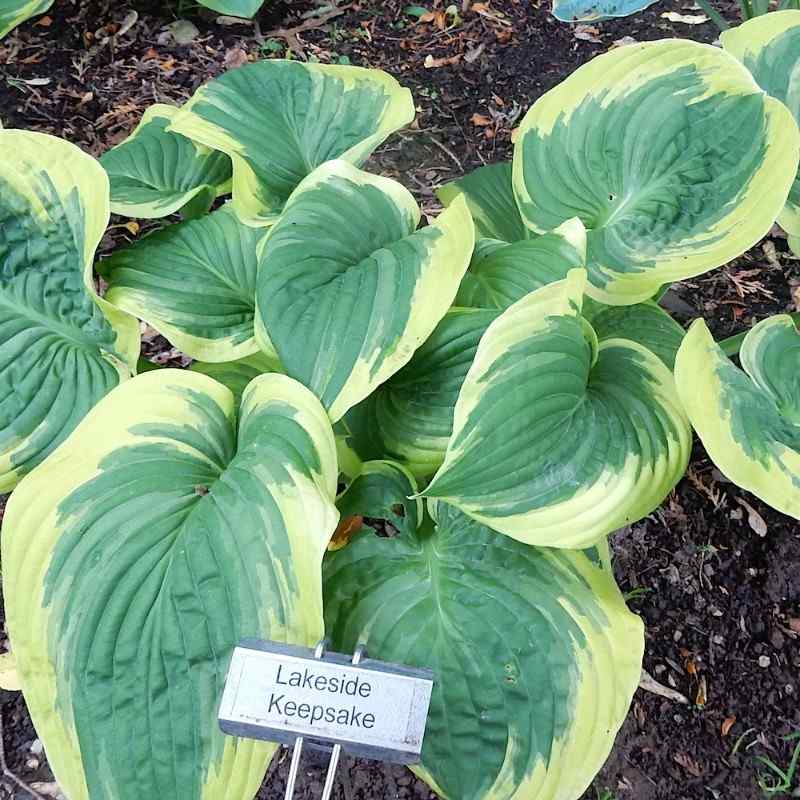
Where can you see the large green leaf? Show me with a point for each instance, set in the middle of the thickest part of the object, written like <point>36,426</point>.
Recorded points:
<point>136,558</point>
<point>646,323</point>
<point>155,172</point>
<point>195,283</point>
<point>237,374</point>
<point>671,155</point>
<point>278,120</point>
<point>490,197</point>
<point>348,287</point>
<point>535,656</point>
<point>558,440</point>
<point>383,489</point>
<point>409,418</point>
<point>234,8</point>
<point>61,347</point>
<point>500,274</point>
<point>15,12</point>
<point>769,46</point>
<point>749,422</point>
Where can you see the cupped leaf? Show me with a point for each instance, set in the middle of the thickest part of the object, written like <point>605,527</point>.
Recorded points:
<point>490,196</point>
<point>557,440</point>
<point>237,374</point>
<point>137,557</point>
<point>646,323</point>
<point>15,12</point>
<point>500,274</point>
<point>410,417</point>
<point>769,46</point>
<point>61,347</point>
<point>278,120</point>
<point>535,656</point>
<point>234,8</point>
<point>384,490</point>
<point>195,283</point>
<point>586,10</point>
<point>348,287</point>
<point>156,172</point>
<point>749,422</point>
<point>670,154</point>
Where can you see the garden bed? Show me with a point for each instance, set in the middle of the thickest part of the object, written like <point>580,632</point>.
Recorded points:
<point>714,573</point>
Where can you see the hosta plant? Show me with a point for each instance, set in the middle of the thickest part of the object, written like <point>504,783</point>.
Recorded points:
<point>494,391</point>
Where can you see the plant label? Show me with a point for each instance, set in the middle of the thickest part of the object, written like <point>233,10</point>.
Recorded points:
<point>278,692</point>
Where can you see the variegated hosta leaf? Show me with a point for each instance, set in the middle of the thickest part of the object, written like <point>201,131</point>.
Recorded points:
<point>61,347</point>
<point>237,374</point>
<point>557,440</point>
<point>534,653</point>
<point>348,287</point>
<point>15,12</point>
<point>671,155</point>
<point>156,172</point>
<point>410,417</point>
<point>500,274</point>
<point>278,120</point>
<point>769,46</point>
<point>646,323</point>
<point>490,197</point>
<point>749,422</point>
<point>234,8</point>
<point>137,557</point>
<point>195,283</point>
<point>383,489</point>
<point>586,10</point>
<point>794,245</point>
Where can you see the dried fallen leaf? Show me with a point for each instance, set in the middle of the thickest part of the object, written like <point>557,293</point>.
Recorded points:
<point>45,22</point>
<point>794,624</point>
<point>345,530</point>
<point>235,57</point>
<point>480,120</point>
<point>132,226</point>
<point>650,684</point>
<point>623,42</point>
<point>183,31</point>
<point>685,19</point>
<point>432,63</point>
<point>701,695</point>
<point>689,764</point>
<point>587,33</point>
<point>754,519</point>
<point>727,724</point>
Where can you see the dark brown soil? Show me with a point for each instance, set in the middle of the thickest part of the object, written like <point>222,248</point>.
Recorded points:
<point>714,573</point>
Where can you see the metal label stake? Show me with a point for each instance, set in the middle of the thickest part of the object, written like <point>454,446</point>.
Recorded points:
<point>298,696</point>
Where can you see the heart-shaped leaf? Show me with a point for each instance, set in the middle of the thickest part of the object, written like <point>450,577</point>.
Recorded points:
<point>749,422</point>
<point>671,155</point>
<point>534,654</point>
<point>15,12</point>
<point>409,418</point>
<point>278,120</point>
<point>61,347</point>
<point>195,283</point>
<point>499,274</point>
<point>348,287</point>
<point>156,172</point>
<point>557,440</point>
<point>490,196</point>
<point>769,46</point>
<point>646,323</point>
<point>137,557</point>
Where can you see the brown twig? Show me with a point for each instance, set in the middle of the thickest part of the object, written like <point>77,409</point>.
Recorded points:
<point>7,773</point>
<point>289,35</point>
